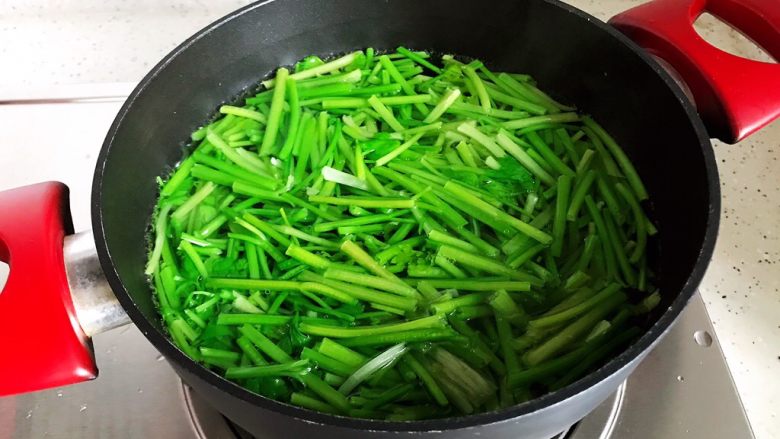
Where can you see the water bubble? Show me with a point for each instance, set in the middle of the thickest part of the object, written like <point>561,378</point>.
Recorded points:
<point>59,394</point>
<point>83,407</point>
<point>140,390</point>
<point>29,414</point>
<point>680,378</point>
<point>160,358</point>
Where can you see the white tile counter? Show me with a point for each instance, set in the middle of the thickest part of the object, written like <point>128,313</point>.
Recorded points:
<point>45,43</point>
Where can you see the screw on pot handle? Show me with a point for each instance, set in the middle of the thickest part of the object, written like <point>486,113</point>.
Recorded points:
<point>735,96</point>
<point>43,344</point>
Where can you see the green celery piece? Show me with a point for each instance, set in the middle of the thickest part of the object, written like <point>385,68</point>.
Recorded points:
<point>440,241</point>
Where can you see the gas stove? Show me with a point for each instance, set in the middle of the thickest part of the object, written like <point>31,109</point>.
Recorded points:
<point>683,389</point>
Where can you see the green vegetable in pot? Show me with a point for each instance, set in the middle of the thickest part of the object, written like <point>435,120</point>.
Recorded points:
<point>399,236</point>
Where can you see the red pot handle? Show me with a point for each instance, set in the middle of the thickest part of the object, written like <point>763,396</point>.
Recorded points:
<point>43,344</point>
<point>735,96</point>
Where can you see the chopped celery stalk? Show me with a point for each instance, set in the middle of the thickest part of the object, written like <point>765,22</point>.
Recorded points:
<point>401,236</point>
<point>371,367</point>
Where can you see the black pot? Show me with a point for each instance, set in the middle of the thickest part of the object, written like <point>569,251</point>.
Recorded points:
<point>578,58</point>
